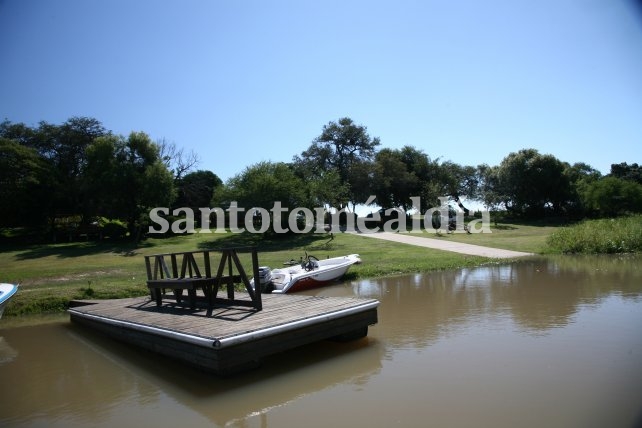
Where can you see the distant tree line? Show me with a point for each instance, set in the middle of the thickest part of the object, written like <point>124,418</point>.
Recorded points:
<point>78,178</point>
<point>344,167</point>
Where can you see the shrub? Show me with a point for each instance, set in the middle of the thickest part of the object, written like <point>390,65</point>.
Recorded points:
<point>619,235</point>
<point>112,228</point>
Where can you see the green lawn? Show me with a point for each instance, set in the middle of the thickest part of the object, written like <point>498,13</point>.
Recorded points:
<point>52,275</point>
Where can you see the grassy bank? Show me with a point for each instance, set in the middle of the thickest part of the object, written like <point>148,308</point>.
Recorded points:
<point>52,275</point>
<point>606,236</point>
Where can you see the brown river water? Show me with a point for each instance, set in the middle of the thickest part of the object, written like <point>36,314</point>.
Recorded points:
<point>543,342</point>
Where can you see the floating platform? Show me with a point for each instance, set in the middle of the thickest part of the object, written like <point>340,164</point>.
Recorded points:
<point>227,338</point>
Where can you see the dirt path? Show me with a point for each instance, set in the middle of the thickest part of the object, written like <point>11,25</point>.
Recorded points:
<point>438,244</point>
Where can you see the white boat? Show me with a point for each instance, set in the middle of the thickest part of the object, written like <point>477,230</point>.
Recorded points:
<point>6,292</point>
<point>309,273</point>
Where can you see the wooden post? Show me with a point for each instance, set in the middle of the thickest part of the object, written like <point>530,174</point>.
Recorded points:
<point>148,267</point>
<point>174,266</point>
<point>230,273</point>
<point>206,261</point>
<point>257,281</point>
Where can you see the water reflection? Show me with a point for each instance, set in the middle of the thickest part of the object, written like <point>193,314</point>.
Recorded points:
<point>538,295</point>
<point>439,335</point>
<point>78,377</point>
<point>7,352</point>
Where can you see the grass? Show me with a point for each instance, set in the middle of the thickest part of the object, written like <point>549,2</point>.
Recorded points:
<point>52,275</point>
<point>605,236</point>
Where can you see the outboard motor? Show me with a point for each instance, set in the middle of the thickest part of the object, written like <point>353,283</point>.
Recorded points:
<point>265,279</point>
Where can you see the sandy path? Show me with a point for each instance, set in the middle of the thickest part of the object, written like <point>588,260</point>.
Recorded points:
<point>438,244</point>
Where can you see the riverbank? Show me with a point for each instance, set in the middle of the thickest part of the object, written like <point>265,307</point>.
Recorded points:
<point>52,275</point>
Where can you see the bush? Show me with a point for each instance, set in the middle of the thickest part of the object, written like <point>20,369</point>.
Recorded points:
<point>613,196</point>
<point>606,236</point>
<point>112,228</point>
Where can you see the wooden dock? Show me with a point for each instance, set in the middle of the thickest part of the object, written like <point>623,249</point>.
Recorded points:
<point>227,338</point>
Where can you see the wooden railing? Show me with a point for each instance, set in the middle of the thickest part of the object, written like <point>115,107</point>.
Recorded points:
<point>192,270</point>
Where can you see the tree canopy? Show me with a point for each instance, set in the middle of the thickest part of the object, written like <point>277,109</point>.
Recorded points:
<point>196,189</point>
<point>342,147</point>
<point>79,171</point>
<point>527,183</point>
<point>115,163</point>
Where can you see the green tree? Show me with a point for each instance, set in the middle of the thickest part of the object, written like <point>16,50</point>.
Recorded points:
<point>64,147</point>
<point>19,133</point>
<point>394,180</point>
<point>529,183</point>
<point>580,176</point>
<point>612,196</point>
<point>625,171</point>
<point>260,186</point>
<point>341,146</point>
<point>196,189</point>
<point>400,175</point>
<point>323,189</point>
<point>23,185</point>
<point>489,192</point>
<point>327,190</point>
<point>126,178</point>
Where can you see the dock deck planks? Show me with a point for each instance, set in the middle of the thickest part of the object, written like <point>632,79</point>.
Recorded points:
<point>227,338</point>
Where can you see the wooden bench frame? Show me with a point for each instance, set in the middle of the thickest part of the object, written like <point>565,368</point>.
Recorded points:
<point>162,276</point>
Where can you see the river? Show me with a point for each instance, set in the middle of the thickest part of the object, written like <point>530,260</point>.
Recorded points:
<point>542,342</point>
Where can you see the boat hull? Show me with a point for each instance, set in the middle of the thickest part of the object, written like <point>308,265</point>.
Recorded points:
<point>312,282</point>
<point>6,293</point>
<point>294,279</point>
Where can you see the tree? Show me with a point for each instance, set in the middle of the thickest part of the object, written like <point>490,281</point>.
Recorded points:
<point>126,178</point>
<point>612,196</point>
<point>196,189</point>
<point>324,188</point>
<point>260,186</point>
<point>341,146</point>
<point>529,183</point>
<point>19,133</point>
<point>580,176</point>
<point>175,159</point>
<point>400,175</point>
<point>23,185</point>
<point>625,171</point>
<point>64,146</point>
<point>489,186</point>
<point>394,180</point>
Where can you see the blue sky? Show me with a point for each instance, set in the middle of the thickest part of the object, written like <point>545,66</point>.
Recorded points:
<point>240,82</point>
